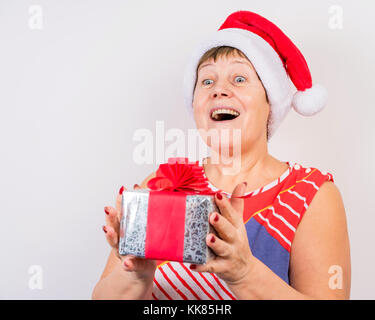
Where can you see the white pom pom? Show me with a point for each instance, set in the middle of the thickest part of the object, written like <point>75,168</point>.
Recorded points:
<point>310,101</point>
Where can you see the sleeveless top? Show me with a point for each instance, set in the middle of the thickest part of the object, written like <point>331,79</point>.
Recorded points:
<point>271,216</point>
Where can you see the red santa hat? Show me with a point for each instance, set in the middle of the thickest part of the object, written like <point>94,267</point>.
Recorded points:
<point>275,58</point>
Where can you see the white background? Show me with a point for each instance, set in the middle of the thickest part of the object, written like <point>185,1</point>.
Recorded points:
<point>73,93</point>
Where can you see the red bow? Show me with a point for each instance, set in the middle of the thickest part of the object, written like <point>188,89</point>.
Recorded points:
<point>180,175</point>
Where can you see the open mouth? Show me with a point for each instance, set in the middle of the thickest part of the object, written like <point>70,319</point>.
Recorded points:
<point>222,114</point>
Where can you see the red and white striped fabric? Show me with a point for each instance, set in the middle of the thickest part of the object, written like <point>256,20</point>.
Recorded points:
<point>271,213</point>
<point>175,281</point>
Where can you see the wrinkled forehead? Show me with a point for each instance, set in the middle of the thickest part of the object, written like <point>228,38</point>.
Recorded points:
<point>230,61</point>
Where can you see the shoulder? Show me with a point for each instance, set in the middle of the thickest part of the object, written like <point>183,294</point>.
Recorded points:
<point>323,199</point>
<point>312,186</point>
<point>311,174</point>
<point>319,187</point>
<point>327,202</point>
<point>314,197</point>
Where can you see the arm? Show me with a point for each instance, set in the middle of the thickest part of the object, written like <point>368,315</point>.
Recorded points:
<point>115,282</point>
<point>320,246</point>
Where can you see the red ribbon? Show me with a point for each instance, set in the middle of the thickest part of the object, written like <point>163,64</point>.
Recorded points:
<point>165,226</point>
<point>166,207</point>
<point>180,175</point>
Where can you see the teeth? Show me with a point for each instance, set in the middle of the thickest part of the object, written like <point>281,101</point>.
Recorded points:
<point>221,111</point>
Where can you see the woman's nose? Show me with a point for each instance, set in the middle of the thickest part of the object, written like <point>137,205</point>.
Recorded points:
<point>215,94</point>
<point>218,92</point>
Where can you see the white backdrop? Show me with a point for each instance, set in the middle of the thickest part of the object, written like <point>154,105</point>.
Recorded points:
<point>78,78</point>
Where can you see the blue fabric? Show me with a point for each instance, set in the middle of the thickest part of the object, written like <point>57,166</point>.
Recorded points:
<point>267,249</point>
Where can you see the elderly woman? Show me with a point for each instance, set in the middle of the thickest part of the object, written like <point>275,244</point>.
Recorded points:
<point>287,239</point>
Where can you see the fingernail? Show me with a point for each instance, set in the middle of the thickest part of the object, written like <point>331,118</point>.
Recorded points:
<point>104,229</point>
<point>193,266</point>
<point>216,218</point>
<point>126,264</point>
<point>212,240</point>
<point>121,190</point>
<point>135,186</point>
<point>219,196</point>
<point>245,183</point>
<point>106,210</point>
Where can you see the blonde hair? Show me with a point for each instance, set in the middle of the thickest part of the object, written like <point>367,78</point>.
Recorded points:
<point>225,51</point>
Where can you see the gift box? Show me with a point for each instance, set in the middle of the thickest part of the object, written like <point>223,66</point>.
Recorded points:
<point>170,221</point>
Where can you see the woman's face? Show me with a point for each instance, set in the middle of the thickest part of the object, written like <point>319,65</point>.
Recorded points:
<point>230,83</point>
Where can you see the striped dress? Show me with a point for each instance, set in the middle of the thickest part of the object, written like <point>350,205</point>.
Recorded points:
<point>271,215</point>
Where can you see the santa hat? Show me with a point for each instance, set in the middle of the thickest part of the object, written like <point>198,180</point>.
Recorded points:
<point>275,58</point>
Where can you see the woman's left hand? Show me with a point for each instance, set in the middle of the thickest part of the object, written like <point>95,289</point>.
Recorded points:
<point>234,259</point>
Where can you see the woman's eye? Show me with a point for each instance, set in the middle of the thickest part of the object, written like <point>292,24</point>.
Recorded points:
<point>239,77</point>
<point>205,81</point>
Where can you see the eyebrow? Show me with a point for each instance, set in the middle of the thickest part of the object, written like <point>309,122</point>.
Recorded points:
<point>236,61</point>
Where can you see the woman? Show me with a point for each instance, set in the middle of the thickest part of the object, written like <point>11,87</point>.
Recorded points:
<point>288,239</point>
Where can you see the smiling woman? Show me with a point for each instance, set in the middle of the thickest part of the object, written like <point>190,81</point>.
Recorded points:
<point>230,83</point>
<point>267,248</point>
<point>281,229</point>
<point>209,58</point>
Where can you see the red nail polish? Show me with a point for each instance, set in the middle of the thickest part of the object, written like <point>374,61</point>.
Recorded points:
<point>121,190</point>
<point>212,239</point>
<point>245,183</point>
<point>193,266</point>
<point>216,218</point>
<point>106,210</point>
<point>126,264</point>
<point>219,196</point>
<point>135,186</point>
<point>104,229</point>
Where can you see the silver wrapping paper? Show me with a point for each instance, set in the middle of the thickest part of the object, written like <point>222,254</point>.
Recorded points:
<point>133,225</point>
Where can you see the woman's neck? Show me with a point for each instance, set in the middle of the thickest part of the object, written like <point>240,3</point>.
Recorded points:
<point>256,169</point>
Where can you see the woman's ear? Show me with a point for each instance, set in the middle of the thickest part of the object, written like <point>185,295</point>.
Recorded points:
<point>266,96</point>
<point>268,119</point>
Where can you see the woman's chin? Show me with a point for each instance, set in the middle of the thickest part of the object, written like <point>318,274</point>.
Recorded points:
<point>225,134</point>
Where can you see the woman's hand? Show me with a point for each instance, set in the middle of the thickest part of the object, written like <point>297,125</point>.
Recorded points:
<point>143,269</point>
<point>234,259</point>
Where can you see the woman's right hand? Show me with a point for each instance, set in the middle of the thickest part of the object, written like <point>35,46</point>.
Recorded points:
<point>141,269</point>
